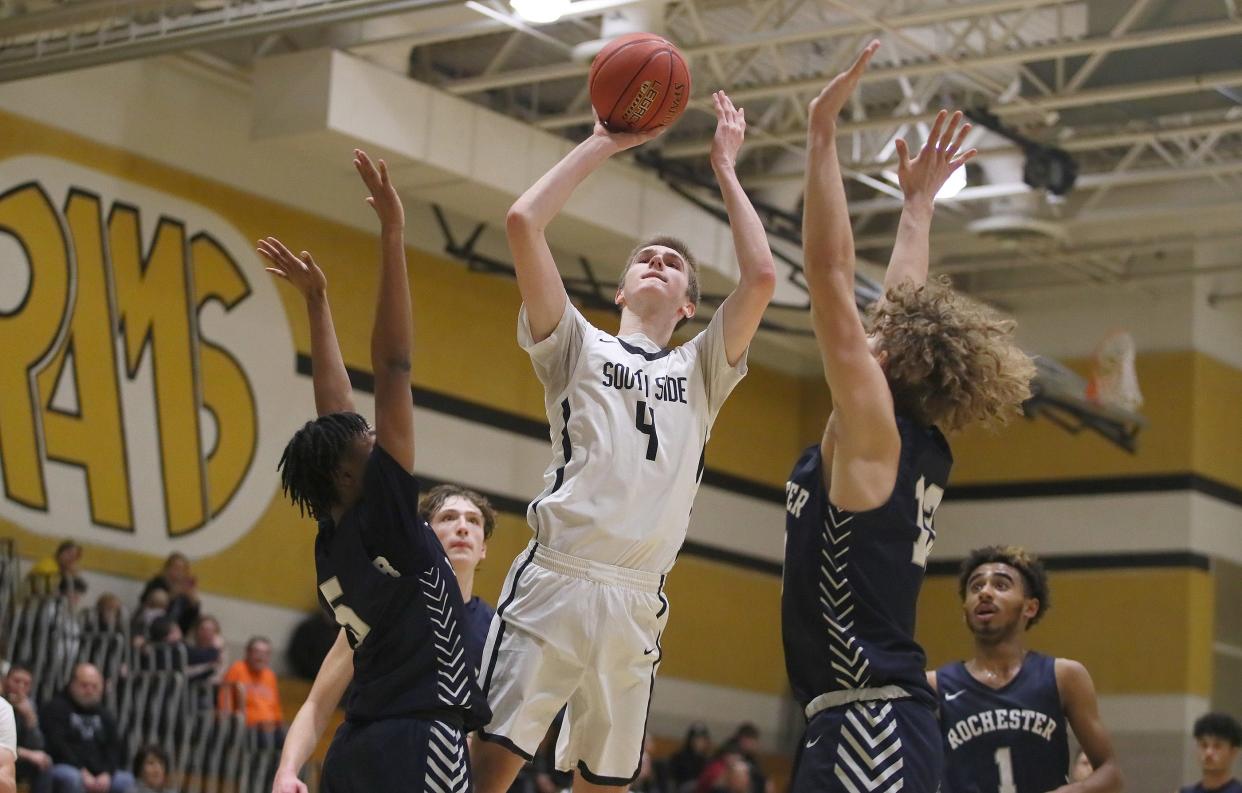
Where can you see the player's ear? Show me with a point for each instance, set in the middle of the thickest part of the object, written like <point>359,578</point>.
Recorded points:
<point>688,310</point>
<point>483,551</point>
<point>1030,607</point>
<point>619,300</point>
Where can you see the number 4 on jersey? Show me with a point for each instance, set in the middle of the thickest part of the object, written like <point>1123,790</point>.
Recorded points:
<point>929,497</point>
<point>647,428</point>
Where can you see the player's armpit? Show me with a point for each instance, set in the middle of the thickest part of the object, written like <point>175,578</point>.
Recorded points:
<point>1082,711</point>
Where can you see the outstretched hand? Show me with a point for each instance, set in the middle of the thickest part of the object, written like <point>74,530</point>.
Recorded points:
<point>730,131</point>
<point>301,270</point>
<point>825,108</point>
<point>624,140</point>
<point>383,199</point>
<point>923,175</point>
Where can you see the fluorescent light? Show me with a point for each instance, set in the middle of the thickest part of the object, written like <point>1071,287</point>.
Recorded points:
<point>540,11</point>
<point>954,184</point>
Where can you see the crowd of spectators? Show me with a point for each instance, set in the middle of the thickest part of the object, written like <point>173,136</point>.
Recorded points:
<point>71,741</point>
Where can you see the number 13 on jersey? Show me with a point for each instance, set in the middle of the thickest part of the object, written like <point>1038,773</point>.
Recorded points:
<point>929,497</point>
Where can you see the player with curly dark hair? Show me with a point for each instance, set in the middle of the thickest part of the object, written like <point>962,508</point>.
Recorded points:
<point>383,573</point>
<point>861,502</point>
<point>1004,712</point>
<point>1218,737</point>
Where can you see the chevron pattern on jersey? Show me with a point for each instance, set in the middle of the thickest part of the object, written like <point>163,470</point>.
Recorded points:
<point>452,675</point>
<point>869,752</point>
<point>446,761</point>
<point>850,668</point>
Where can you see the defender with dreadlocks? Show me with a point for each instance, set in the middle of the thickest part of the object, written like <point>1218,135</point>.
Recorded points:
<point>860,502</point>
<point>1003,712</point>
<point>382,571</point>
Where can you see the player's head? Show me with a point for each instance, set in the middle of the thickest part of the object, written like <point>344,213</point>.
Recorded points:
<point>1004,591</point>
<point>462,519</point>
<point>322,465</point>
<point>1218,736</point>
<point>661,277</point>
<point>949,360</point>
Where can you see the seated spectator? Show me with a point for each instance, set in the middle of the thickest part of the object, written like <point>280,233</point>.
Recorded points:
<point>82,738</point>
<point>8,748</point>
<point>1218,737</point>
<point>62,568</point>
<point>253,675</point>
<point>151,771</point>
<point>108,613</point>
<point>687,764</point>
<point>179,582</point>
<point>154,606</point>
<point>744,745</point>
<point>34,765</point>
<point>205,650</point>
<point>311,641</point>
<point>653,774</point>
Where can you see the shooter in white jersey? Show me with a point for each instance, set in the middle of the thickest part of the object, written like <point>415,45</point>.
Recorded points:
<point>582,609</point>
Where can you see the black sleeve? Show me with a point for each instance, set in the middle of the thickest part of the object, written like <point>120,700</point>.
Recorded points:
<point>391,527</point>
<point>54,719</point>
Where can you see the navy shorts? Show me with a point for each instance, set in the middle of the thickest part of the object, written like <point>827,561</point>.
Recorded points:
<point>400,754</point>
<point>870,747</point>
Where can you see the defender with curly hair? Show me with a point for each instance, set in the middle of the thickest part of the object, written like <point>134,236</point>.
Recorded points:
<point>861,502</point>
<point>1004,712</point>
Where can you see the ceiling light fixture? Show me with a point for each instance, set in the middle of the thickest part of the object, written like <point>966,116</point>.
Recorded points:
<point>540,12</point>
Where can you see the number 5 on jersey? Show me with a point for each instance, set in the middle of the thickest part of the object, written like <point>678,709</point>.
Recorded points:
<point>345,616</point>
<point>929,497</point>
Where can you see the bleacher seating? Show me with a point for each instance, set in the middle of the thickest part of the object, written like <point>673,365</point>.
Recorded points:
<point>147,688</point>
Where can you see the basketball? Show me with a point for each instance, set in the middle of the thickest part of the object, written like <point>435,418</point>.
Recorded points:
<point>639,82</point>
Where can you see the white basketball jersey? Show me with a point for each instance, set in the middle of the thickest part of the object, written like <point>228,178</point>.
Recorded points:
<point>629,426</point>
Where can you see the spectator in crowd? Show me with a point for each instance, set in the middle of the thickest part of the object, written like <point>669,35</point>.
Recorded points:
<point>653,776</point>
<point>34,765</point>
<point>743,744</point>
<point>312,639</point>
<point>1081,769</point>
<point>688,763</point>
<point>82,738</point>
<point>178,580</point>
<point>253,675</point>
<point>8,748</point>
<point>737,776</point>
<point>151,771</point>
<point>205,650</point>
<point>154,605</point>
<point>63,568</point>
<point>1219,737</point>
<point>108,613</point>
<point>164,630</point>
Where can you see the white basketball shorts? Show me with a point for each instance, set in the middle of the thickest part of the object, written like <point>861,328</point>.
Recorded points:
<point>577,633</point>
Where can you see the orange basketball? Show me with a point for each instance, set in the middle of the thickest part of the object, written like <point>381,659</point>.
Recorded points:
<point>638,82</point>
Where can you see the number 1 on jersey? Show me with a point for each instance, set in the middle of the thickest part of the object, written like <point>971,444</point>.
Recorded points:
<point>929,498</point>
<point>647,428</point>
<point>1004,765</point>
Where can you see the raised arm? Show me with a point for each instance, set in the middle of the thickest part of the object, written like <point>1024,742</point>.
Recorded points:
<point>757,274</point>
<point>312,718</point>
<point>543,291</point>
<point>1082,711</point>
<point>394,327</point>
<point>921,178</point>
<point>861,438</point>
<point>333,393</point>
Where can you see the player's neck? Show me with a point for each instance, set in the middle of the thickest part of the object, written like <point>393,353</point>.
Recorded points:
<point>1215,780</point>
<point>658,329</point>
<point>997,663</point>
<point>465,581</point>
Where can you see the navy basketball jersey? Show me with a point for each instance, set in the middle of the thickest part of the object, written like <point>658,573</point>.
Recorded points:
<point>478,613</point>
<point>384,577</point>
<point>1005,740</point>
<point>1232,786</point>
<point>852,580</point>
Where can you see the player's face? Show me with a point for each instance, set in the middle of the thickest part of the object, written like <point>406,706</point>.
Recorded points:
<point>657,280</point>
<point>1216,755</point>
<point>996,601</point>
<point>352,465</point>
<point>459,525</point>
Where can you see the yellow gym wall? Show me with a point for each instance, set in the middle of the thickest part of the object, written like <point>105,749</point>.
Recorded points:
<point>465,347</point>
